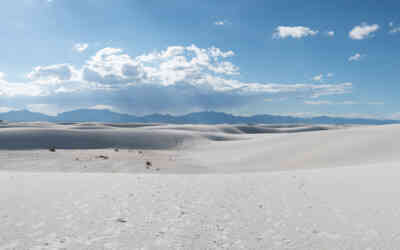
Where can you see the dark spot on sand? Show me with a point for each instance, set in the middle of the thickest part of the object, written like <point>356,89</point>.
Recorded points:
<point>104,157</point>
<point>148,164</point>
<point>122,220</point>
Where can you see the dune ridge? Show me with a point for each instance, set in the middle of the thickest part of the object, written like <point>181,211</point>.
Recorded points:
<point>198,187</point>
<point>195,148</point>
<point>24,136</point>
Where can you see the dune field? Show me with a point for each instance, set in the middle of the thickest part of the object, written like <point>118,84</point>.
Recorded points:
<point>159,186</point>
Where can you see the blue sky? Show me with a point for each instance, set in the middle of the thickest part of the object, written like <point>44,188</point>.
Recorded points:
<point>243,57</point>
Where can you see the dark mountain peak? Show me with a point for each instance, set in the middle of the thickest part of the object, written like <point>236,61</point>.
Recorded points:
<point>203,117</point>
<point>25,116</point>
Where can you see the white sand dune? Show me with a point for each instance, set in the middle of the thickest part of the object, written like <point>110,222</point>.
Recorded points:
<point>208,187</point>
<point>331,148</point>
<point>198,148</point>
<point>94,136</point>
<point>22,136</point>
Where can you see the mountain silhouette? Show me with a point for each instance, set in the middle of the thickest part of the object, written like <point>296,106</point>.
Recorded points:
<point>206,117</point>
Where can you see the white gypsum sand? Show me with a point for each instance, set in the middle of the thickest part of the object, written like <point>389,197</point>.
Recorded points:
<point>207,187</point>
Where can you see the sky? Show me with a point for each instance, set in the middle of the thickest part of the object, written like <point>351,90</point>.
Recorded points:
<point>302,58</point>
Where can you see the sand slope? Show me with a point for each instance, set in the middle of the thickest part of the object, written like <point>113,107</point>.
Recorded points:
<point>208,187</point>
<point>187,148</point>
<point>331,148</point>
<point>23,136</point>
<point>341,208</point>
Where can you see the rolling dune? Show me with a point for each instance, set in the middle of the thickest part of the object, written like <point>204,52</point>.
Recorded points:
<point>198,187</point>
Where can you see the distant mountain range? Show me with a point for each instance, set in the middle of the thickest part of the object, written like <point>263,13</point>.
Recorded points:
<point>208,117</point>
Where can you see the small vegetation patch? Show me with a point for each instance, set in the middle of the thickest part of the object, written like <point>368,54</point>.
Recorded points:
<point>148,164</point>
<point>122,220</point>
<point>103,157</point>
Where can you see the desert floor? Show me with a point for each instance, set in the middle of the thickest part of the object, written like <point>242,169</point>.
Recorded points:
<point>152,186</point>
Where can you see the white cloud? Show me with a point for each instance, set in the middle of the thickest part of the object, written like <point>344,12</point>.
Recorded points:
<point>394,30</point>
<point>317,102</point>
<point>347,103</point>
<point>363,31</point>
<point>221,22</point>
<point>330,33</point>
<point>280,99</point>
<point>356,57</point>
<point>321,77</point>
<point>6,109</point>
<point>53,72</point>
<point>394,116</point>
<point>102,107</point>
<point>293,31</point>
<point>80,47</point>
<point>2,75</point>
<point>107,67</point>
<point>199,76</point>
<point>322,102</point>
<point>318,78</point>
<point>19,89</point>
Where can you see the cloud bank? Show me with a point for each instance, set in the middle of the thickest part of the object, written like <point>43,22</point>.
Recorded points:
<point>177,79</point>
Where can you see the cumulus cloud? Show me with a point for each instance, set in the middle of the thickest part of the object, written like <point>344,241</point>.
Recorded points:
<point>322,77</point>
<point>320,102</point>
<point>177,78</point>
<point>331,89</point>
<point>330,33</point>
<point>107,67</point>
<point>356,57</point>
<point>393,29</point>
<point>363,31</point>
<point>318,78</point>
<point>324,102</point>
<point>4,109</point>
<point>394,116</point>
<point>111,67</point>
<point>19,89</point>
<point>80,47</point>
<point>102,107</point>
<point>297,32</point>
<point>54,72</point>
<point>221,22</point>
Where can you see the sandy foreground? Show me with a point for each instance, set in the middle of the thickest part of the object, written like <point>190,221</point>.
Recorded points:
<point>199,187</point>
